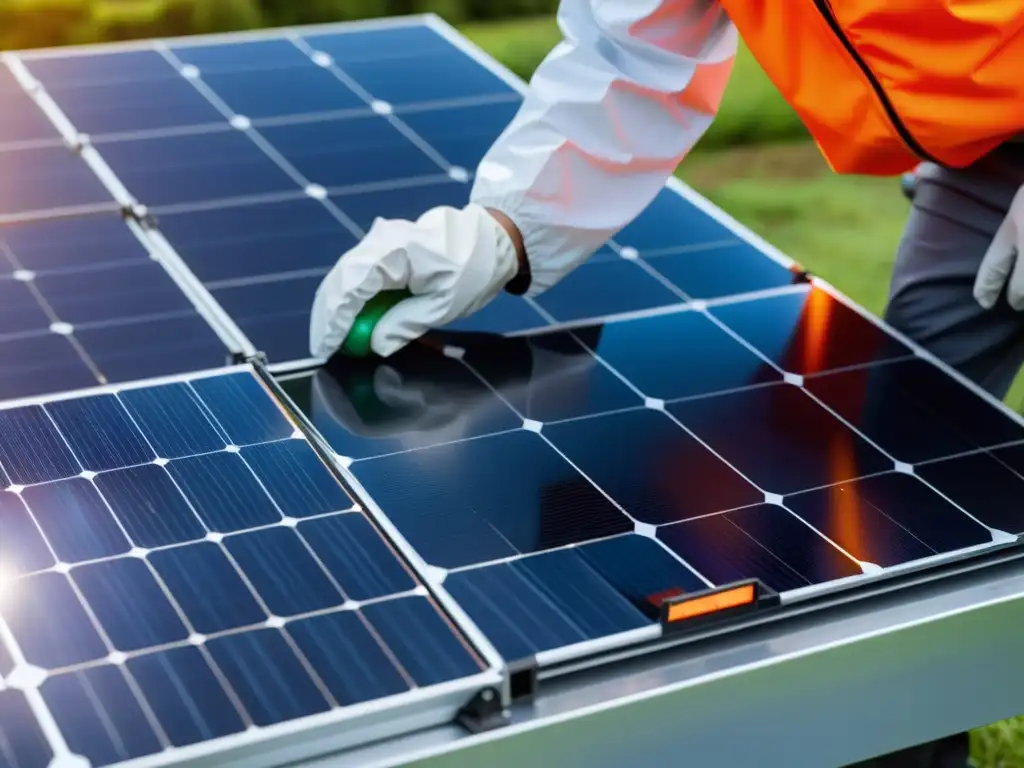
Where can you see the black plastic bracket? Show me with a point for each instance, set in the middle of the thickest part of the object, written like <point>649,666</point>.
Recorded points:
<point>484,712</point>
<point>522,679</point>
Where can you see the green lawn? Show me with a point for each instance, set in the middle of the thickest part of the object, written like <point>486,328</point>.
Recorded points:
<point>844,229</point>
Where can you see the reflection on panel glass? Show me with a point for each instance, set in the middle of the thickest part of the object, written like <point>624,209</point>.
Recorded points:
<point>914,411</point>
<point>780,438</point>
<point>677,355</point>
<point>809,332</point>
<point>888,519</point>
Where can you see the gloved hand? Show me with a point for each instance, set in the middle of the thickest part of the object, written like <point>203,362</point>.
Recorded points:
<point>452,261</point>
<point>1002,266</point>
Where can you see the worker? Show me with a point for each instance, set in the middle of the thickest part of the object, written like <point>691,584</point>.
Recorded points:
<point>618,104</point>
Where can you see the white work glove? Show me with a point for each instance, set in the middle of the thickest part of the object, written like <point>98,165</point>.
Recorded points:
<point>453,261</point>
<point>1002,266</point>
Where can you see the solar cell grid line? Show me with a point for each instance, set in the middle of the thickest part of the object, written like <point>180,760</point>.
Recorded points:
<point>86,302</point>
<point>731,466</point>
<point>174,632</point>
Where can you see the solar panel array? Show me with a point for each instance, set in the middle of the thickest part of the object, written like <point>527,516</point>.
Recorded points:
<point>180,567</point>
<point>206,580</point>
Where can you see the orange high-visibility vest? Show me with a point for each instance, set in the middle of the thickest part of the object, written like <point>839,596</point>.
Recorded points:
<point>884,84</point>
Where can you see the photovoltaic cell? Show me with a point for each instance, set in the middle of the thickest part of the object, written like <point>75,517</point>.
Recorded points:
<point>82,302</point>
<point>196,559</point>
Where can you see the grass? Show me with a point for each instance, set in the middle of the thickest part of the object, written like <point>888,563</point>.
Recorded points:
<point>843,228</point>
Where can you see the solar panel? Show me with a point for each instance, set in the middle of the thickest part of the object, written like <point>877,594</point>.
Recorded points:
<point>263,159</point>
<point>783,437</point>
<point>182,574</point>
<point>83,301</point>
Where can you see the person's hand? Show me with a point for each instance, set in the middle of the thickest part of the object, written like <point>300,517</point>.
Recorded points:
<point>452,261</point>
<point>1002,266</point>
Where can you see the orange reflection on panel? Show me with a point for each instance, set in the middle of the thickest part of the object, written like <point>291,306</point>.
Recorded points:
<point>814,330</point>
<point>707,604</point>
<point>844,505</point>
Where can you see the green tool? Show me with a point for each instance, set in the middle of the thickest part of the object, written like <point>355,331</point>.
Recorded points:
<point>357,343</point>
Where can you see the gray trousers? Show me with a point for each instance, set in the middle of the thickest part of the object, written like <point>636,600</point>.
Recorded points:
<point>954,217</point>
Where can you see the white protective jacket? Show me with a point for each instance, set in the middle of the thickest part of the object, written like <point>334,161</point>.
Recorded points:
<point>611,112</point>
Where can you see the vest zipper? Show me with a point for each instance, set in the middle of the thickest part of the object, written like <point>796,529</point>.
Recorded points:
<point>825,7</point>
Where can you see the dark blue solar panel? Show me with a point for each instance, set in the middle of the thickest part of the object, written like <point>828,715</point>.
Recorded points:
<point>76,522</point>
<point>135,105</point>
<point>462,134</point>
<point>655,470</point>
<point>73,244</point>
<point>129,604</point>
<point>274,315</point>
<point>22,546</point>
<point>100,716</point>
<point>809,332</point>
<point>345,655</point>
<point>107,68</point>
<point>907,520</point>
<point>83,303</point>
<point>356,422</point>
<point>453,506</point>
<point>605,288</point>
<point>410,65</point>
<point>23,119</point>
<point>409,202</point>
<point>671,222</point>
<point>677,355</point>
<point>551,377</point>
<point>542,602</point>
<point>241,56</point>
<point>349,151</point>
<point>355,556</point>
<point>47,363</point>
<point>210,591</point>
<point>239,242</point>
<point>985,484</point>
<point>224,490</point>
<point>765,542</point>
<point>23,740</point>
<point>183,600</point>
<point>283,571</point>
<point>47,178</point>
<point>186,696</point>
<point>712,273</point>
<point>780,438</point>
<point>100,432</point>
<point>188,168</point>
<point>149,506</point>
<point>257,93</point>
